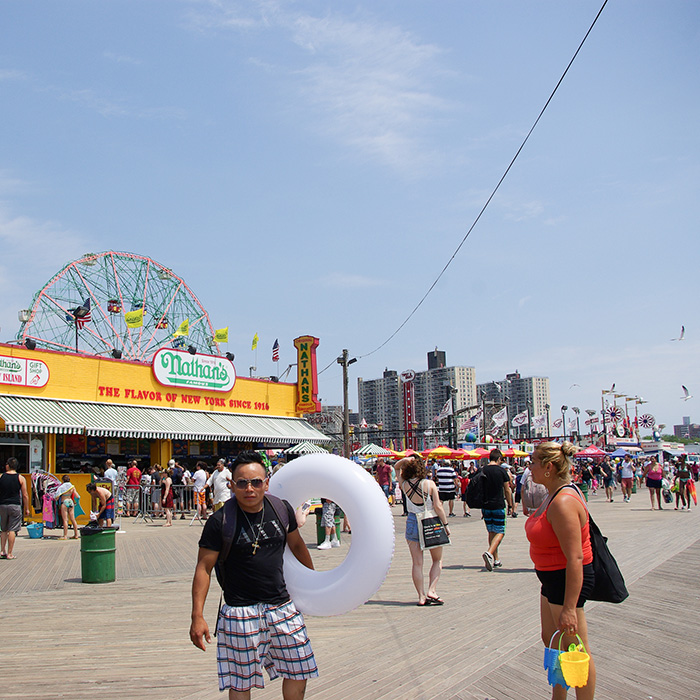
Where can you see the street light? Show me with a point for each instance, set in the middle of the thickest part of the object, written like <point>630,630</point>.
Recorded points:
<point>577,410</point>
<point>79,312</point>
<point>564,409</point>
<point>591,413</point>
<point>547,407</point>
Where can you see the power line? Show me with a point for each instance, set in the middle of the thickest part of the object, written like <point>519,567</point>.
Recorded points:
<point>493,193</point>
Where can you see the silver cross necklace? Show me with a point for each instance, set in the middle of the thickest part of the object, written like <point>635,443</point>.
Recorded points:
<point>255,545</point>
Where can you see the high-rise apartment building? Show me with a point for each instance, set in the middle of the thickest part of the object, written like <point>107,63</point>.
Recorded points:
<point>380,401</point>
<point>519,394</point>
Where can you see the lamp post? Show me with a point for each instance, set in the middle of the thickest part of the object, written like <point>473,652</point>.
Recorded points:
<point>577,410</point>
<point>345,362</point>
<point>79,312</point>
<point>547,407</point>
<point>591,413</point>
<point>564,409</point>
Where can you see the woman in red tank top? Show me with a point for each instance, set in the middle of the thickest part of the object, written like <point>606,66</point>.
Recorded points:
<point>560,548</point>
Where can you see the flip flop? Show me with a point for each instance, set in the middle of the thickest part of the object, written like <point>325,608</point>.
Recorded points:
<point>3,556</point>
<point>425,603</point>
<point>432,600</point>
<point>10,556</point>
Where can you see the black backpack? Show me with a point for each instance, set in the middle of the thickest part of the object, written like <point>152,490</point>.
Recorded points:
<point>228,528</point>
<point>476,491</point>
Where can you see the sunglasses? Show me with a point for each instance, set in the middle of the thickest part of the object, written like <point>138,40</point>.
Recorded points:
<point>243,483</point>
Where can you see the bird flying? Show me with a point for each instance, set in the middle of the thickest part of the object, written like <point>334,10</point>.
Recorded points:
<point>687,394</point>
<point>682,335</point>
<point>573,385</point>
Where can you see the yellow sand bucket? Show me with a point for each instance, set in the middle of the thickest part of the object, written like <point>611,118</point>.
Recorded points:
<point>574,664</point>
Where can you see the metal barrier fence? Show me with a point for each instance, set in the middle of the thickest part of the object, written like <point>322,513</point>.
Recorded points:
<point>150,500</point>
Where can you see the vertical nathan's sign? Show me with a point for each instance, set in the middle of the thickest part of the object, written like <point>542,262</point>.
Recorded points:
<point>307,378</point>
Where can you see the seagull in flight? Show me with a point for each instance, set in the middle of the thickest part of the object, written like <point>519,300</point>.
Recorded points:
<point>612,388</point>
<point>687,394</point>
<point>682,335</point>
<point>573,385</point>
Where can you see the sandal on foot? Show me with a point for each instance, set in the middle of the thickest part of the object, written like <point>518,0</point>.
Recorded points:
<point>433,600</point>
<point>425,603</point>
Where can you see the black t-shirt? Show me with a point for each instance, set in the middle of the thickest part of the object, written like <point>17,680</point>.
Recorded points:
<point>496,476</point>
<point>177,476</point>
<point>252,578</point>
<point>607,469</point>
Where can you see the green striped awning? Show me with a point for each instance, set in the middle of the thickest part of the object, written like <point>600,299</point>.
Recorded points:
<point>29,414</point>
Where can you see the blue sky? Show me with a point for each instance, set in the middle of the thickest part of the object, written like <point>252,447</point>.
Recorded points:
<point>310,167</point>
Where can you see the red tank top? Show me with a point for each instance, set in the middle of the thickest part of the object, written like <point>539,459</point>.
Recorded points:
<point>545,551</point>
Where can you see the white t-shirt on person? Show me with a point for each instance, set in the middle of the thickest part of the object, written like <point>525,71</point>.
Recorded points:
<point>199,480</point>
<point>219,484</point>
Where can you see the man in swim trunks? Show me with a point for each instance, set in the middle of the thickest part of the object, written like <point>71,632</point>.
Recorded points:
<point>258,625</point>
<point>496,492</point>
<point>103,503</point>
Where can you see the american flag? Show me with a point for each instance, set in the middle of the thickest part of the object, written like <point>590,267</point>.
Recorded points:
<point>276,351</point>
<point>472,423</point>
<point>88,317</point>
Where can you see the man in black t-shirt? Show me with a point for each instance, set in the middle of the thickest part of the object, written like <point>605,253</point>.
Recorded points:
<point>496,492</point>
<point>258,625</point>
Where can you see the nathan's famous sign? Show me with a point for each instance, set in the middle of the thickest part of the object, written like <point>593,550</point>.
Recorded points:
<point>307,377</point>
<point>179,368</point>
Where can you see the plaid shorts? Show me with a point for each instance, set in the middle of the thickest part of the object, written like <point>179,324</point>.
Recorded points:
<point>328,514</point>
<point>255,636</point>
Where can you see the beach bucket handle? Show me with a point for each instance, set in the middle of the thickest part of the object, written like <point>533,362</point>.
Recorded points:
<point>580,641</point>
<point>556,632</point>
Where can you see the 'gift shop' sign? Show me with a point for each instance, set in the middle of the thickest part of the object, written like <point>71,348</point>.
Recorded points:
<point>21,372</point>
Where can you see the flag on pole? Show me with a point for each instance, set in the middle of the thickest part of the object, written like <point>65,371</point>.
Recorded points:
<point>221,335</point>
<point>276,351</point>
<point>572,425</point>
<point>87,317</point>
<point>520,419</point>
<point>255,342</point>
<point>134,319</point>
<point>183,328</point>
<point>501,417</point>
<point>557,423</point>
<point>471,423</point>
<point>445,411</point>
<point>539,421</point>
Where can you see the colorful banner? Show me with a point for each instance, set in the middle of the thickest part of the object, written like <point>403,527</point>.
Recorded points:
<point>134,319</point>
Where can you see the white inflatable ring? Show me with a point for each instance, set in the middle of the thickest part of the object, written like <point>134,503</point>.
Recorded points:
<point>365,567</point>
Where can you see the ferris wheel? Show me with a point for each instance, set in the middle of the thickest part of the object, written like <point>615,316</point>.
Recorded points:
<point>119,304</point>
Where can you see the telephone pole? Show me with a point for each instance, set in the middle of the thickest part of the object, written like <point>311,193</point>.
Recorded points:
<point>345,362</point>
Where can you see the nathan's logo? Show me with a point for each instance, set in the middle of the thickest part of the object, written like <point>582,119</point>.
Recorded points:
<point>307,378</point>
<point>21,372</point>
<point>176,368</point>
<point>10,364</point>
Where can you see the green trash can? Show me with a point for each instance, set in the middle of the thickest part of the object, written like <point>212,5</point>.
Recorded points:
<point>584,489</point>
<point>321,531</point>
<point>98,554</point>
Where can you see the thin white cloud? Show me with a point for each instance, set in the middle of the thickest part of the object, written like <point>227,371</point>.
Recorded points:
<point>121,58</point>
<point>10,74</point>
<point>370,84</point>
<point>119,107</point>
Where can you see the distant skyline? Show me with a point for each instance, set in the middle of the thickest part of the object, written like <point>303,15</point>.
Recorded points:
<point>310,167</point>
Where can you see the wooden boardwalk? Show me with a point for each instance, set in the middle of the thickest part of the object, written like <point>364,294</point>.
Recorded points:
<point>60,638</point>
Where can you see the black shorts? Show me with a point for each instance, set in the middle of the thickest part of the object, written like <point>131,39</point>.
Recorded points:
<point>554,584</point>
<point>447,495</point>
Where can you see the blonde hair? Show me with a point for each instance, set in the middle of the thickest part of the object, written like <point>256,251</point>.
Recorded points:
<point>558,455</point>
